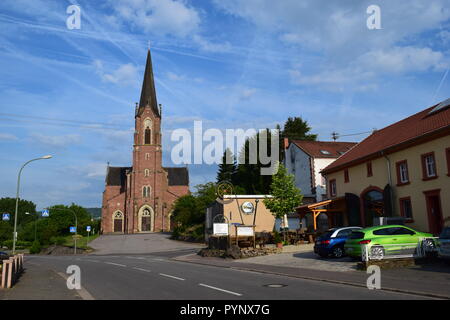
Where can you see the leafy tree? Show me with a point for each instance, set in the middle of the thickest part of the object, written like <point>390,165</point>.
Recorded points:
<point>9,205</point>
<point>297,129</point>
<point>6,231</point>
<point>228,167</point>
<point>286,196</point>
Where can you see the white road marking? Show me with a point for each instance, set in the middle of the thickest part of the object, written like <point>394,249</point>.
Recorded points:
<point>92,260</point>
<point>140,269</point>
<point>169,276</point>
<point>223,290</point>
<point>116,264</point>
<point>158,259</point>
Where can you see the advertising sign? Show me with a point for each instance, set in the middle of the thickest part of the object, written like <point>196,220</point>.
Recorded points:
<point>245,231</point>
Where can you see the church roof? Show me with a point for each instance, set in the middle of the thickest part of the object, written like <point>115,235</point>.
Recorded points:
<point>116,176</point>
<point>148,92</point>
<point>177,176</point>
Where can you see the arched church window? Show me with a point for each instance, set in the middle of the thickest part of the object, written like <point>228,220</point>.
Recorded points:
<point>146,191</point>
<point>146,173</point>
<point>147,131</point>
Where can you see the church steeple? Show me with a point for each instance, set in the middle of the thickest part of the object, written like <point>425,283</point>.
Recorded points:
<point>148,92</point>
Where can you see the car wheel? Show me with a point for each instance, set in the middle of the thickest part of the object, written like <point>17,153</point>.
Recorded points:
<point>338,252</point>
<point>377,252</point>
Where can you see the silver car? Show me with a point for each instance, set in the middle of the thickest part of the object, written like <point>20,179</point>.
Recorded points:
<point>444,244</point>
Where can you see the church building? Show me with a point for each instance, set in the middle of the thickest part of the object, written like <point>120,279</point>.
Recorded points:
<point>140,198</point>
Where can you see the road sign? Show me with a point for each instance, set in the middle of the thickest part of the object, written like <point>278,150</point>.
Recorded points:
<point>73,229</point>
<point>5,217</point>
<point>88,228</point>
<point>45,213</point>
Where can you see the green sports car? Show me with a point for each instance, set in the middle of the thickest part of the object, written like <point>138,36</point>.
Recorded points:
<point>387,240</point>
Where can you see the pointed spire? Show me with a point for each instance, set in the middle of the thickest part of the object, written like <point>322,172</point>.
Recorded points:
<point>148,93</point>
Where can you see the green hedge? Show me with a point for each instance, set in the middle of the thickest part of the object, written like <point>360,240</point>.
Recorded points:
<point>19,244</point>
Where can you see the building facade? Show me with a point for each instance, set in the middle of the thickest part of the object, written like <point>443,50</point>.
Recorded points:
<point>305,159</point>
<point>402,170</point>
<point>140,198</point>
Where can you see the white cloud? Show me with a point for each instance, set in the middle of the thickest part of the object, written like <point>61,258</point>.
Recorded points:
<point>210,46</point>
<point>56,141</point>
<point>247,93</point>
<point>8,137</point>
<point>126,74</point>
<point>160,17</point>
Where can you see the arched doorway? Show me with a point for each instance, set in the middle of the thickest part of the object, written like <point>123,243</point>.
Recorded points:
<point>117,221</point>
<point>146,219</point>
<point>373,205</point>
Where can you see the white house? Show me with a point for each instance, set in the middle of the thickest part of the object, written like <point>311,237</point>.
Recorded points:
<point>305,159</point>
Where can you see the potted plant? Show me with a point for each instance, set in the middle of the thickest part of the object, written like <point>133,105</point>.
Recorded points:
<point>277,239</point>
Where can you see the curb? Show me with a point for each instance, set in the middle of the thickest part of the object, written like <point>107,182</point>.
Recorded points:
<point>354,284</point>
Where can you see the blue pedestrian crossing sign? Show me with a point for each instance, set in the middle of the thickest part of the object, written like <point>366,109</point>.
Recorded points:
<point>5,217</point>
<point>73,229</point>
<point>45,213</point>
<point>88,228</point>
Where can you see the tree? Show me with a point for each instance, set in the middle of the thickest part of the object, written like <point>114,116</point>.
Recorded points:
<point>9,205</point>
<point>228,167</point>
<point>248,176</point>
<point>297,129</point>
<point>285,195</point>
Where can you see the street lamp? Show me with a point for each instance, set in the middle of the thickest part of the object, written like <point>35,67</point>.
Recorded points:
<point>17,198</point>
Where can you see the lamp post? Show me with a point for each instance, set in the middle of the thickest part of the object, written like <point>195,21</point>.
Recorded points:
<point>76,224</point>
<point>17,198</point>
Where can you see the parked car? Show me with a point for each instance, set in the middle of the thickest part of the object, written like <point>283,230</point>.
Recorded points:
<point>383,240</point>
<point>332,242</point>
<point>444,244</point>
<point>3,256</point>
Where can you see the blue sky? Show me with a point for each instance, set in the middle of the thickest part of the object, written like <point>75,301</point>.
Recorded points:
<point>232,64</point>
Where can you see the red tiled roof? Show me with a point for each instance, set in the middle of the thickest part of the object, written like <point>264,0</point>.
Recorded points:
<point>324,149</point>
<point>397,135</point>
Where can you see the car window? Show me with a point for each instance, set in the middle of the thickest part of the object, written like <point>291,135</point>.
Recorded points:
<point>400,230</point>
<point>357,235</point>
<point>384,232</point>
<point>344,233</point>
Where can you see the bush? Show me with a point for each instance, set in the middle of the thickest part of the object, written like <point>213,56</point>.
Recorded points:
<point>58,240</point>
<point>19,244</point>
<point>35,248</point>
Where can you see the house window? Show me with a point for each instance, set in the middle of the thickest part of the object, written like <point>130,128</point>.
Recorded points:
<point>146,173</point>
<point>406,208</point>
<point>447,153</point>
<point>146,191</point>
<point>402,173</point>
<point>346,176</point>
<point>429,166</point>
<point>147,156</point>
<point>333,188</point>
<point>369,169</point>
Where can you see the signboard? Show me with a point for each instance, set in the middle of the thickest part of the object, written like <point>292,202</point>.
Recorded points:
<point>248,207</point>
<point>244,231</point>
<point>220,229</point>
<point>5,217</point>
<point>73,229</point>
<point>45,213</point>
<point>88,228</point>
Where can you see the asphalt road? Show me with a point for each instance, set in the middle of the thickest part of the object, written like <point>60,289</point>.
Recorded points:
<point>152,276</point>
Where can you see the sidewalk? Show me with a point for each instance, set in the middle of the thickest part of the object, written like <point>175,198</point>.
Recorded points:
<point>38,283</point>
<point>428,280</point>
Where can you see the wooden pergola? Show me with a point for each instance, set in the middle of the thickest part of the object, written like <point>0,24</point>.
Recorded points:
<point>319,207</point>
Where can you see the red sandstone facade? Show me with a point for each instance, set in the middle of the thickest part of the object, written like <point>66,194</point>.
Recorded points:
<point>140,198</point>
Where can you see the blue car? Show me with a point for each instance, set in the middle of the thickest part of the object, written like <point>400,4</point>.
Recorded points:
<point>332,242</point>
